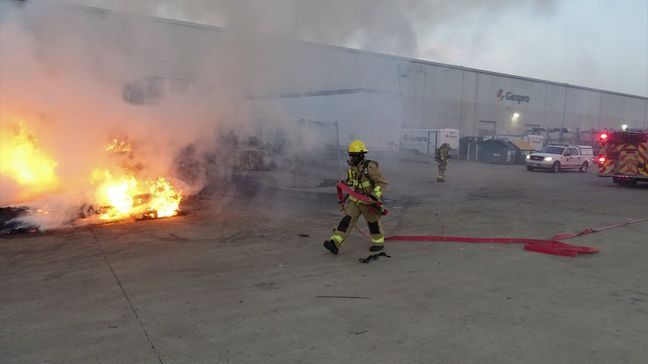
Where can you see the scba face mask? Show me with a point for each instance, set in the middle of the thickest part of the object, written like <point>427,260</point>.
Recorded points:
<point>355,158</point>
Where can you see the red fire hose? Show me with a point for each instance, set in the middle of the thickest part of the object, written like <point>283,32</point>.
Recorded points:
<point>343,188</point>
<point>554,246</point>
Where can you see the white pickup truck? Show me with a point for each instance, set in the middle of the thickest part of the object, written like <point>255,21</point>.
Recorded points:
<point>561,157</point>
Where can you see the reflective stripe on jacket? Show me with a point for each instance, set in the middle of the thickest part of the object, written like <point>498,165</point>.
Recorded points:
<point>367,179</point>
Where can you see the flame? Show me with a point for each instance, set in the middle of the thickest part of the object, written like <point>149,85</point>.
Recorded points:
<point>118,146</point>
<point>22,160</point>
<point>117,195</point>
<point>165,200</point>
<point>125,196</point>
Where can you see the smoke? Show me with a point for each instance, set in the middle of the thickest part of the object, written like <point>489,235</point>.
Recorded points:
<point>80,77</point>
<point>388,26</point>
<point>76,84</point>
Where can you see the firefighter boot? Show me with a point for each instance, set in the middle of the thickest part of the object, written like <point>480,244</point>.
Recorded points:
<point>376,248</point>
<point>440,178</point>
<point>330,246</point>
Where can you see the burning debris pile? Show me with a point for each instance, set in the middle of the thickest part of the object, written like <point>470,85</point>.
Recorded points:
<point>99,144</point>
<point>120,194</point>
<point>120,188</point>
<point>126,196</point>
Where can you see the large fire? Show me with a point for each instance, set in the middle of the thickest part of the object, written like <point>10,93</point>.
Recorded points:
<point>119,192</point>
<point>125,196</point>
<point>23,160</point>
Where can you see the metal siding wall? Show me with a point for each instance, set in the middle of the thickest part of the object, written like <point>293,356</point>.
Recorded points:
<point>417,93</point>
<point>306,67</point>
<point>442,107</point>
<point>554,113</point>
<point>487,109</point>
<point>582,109</point>
<point>442,97</point>
<point>501,110</point>
<point>470,122</point>
<point>433,96</point>
<point>617,110</point>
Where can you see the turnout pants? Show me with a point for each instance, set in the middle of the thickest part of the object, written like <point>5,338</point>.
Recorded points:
<point>442,165</point>
<point>352,211</point>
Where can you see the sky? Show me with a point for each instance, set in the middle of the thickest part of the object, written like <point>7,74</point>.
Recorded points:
<point>593,43</point>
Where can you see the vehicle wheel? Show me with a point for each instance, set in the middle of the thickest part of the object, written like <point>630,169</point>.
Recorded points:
<point>529,168</point>
<point>556,167</point>
<point>616,180</point>
<point>631,182</point>
<point>584,168</point>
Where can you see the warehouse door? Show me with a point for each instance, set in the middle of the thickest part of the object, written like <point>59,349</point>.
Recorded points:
<point>487,128</point>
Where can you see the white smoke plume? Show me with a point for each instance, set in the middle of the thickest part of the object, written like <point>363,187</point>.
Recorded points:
<point>67,71</point>
<point>65,74</point>
<point>389,26</point>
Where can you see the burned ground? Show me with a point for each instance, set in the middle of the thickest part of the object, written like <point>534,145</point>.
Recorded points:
<point>244,278</point>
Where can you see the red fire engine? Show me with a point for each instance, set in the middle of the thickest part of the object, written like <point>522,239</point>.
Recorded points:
<point>623,155</point>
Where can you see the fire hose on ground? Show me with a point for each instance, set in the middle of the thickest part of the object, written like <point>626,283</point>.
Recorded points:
<point>553,246</point>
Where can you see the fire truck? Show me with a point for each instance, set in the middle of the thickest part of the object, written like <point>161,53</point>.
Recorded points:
<point>623,155</point>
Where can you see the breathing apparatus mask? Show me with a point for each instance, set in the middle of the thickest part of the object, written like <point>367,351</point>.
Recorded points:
<point>355,158</point>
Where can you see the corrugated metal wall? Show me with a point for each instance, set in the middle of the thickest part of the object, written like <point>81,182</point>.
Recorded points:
<point>440,96</point>
<point>433,96</point>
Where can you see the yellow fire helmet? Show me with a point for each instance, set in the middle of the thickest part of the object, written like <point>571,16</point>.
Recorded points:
<point>357,146</point>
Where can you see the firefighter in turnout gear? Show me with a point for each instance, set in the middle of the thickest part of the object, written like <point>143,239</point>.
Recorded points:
<point>441,156</point>
<point>363,176</point>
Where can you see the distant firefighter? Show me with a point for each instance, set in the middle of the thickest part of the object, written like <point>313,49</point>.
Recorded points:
<point>441,156</point>
<point>365,177</point>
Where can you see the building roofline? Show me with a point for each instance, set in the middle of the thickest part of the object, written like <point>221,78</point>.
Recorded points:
<point>345,91</point>
<point>476,70</point>
<point>361,51</point>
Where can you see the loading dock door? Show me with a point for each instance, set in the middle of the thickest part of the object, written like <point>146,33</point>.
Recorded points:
<point>487,128</point>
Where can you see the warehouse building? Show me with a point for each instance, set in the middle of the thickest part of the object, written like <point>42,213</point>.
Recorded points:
<point>365,91</point>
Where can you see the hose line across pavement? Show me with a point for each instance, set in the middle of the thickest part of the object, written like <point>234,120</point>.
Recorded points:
<point>553,246</point>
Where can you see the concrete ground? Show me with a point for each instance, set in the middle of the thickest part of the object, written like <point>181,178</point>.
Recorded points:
<point>234,282</point>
